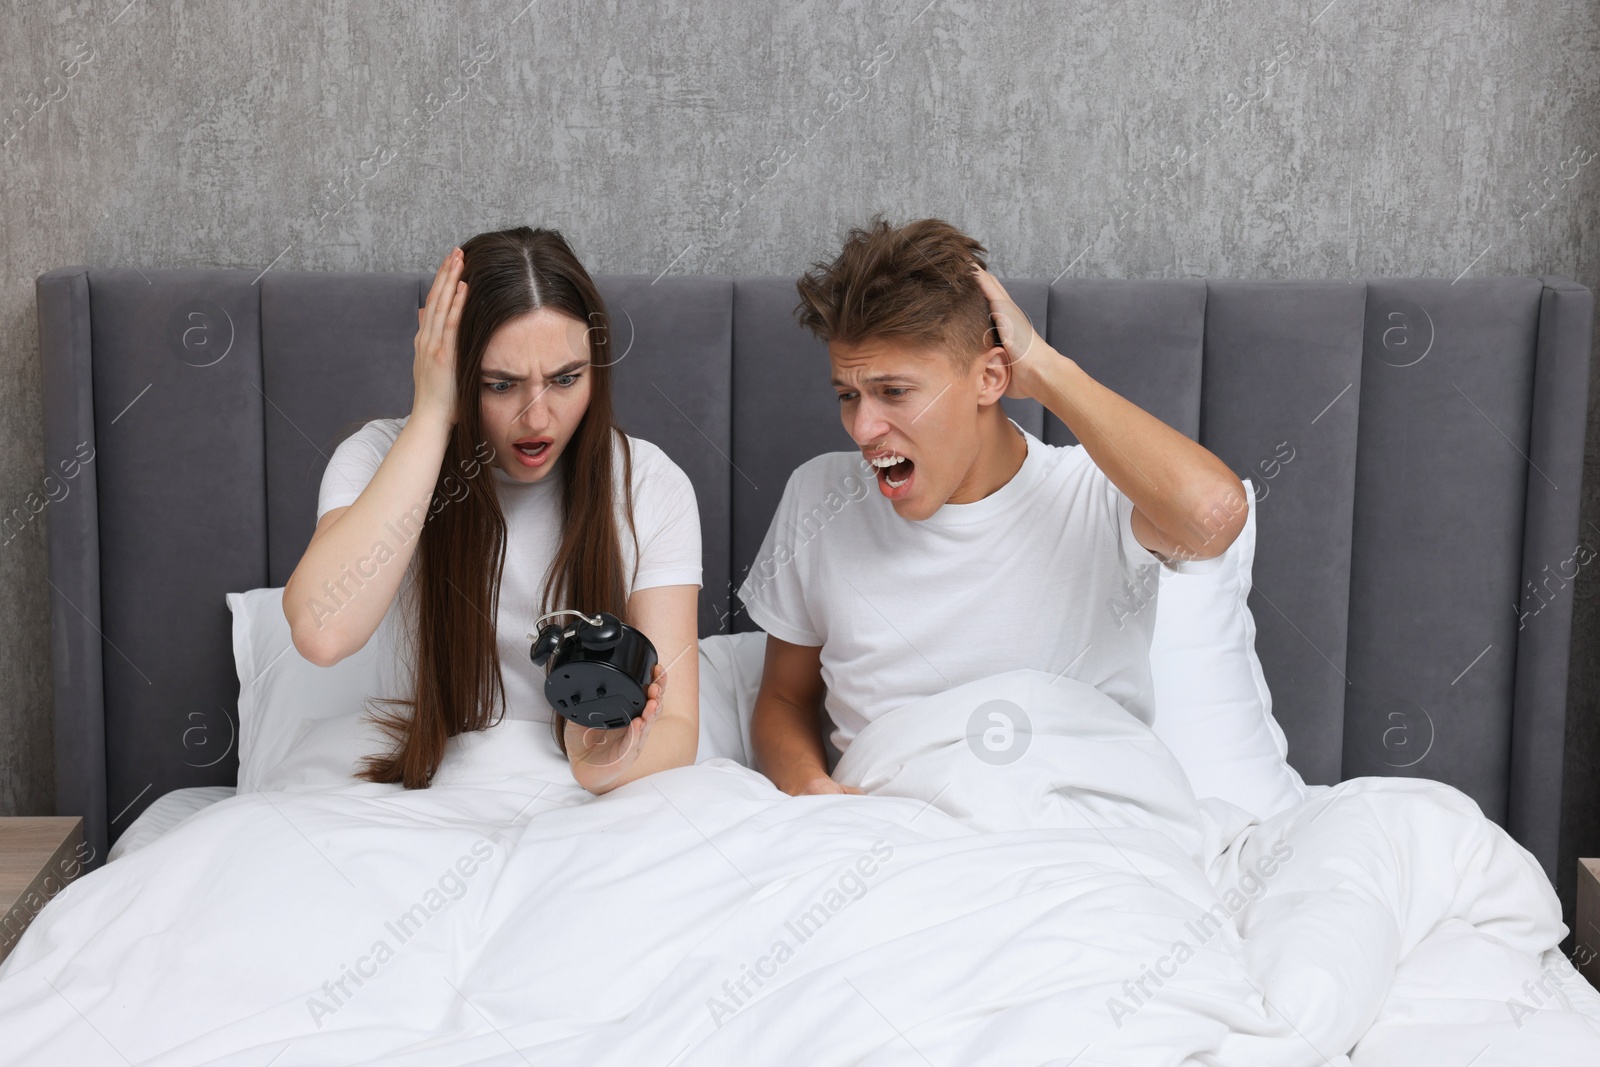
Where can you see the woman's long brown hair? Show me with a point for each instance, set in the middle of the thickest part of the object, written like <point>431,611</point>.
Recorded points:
<point>462,548</point>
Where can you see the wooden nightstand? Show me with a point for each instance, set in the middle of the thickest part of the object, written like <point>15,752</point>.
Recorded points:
<point>38,857</point>
<point>1586,938</point>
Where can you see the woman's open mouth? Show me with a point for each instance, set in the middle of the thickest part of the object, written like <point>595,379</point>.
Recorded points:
<point>894,474</point>
<point>532,451</point>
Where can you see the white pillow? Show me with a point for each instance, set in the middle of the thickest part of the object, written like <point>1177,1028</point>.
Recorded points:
<point>304,727</point>
<point>730,677</point>
<point>283,697</point>
<point>323,754</point>
<point>1213,709</point>
<point>326,753</point>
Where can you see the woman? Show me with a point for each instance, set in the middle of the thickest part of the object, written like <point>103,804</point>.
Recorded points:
<point>518,495</point>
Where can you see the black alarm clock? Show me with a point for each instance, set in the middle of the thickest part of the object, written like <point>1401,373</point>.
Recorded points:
<point>596,671</point>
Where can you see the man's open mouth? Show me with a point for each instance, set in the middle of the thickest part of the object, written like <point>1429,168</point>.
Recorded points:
<point>894,472</point>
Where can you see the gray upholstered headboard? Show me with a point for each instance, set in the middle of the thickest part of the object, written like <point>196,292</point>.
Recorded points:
<point>1420,441</point>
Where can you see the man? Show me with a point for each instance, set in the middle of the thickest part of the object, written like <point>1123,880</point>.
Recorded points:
<point>981,549</point>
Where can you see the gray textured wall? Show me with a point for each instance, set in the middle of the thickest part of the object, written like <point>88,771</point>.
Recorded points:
<point>1136,139</point>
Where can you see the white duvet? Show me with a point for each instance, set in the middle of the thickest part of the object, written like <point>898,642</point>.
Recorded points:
<point>1074,906</point>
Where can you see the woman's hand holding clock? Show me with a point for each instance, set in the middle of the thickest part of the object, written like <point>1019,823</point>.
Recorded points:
<point>599,757</point>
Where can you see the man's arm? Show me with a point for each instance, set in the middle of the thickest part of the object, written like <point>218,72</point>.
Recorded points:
<point>784,727</point>
<point>1187,503</point>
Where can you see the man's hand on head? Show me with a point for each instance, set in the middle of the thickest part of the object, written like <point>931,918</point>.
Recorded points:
<point>823,784</point>
<point>1030,357</point>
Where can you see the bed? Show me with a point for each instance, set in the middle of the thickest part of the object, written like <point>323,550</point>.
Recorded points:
<point>1415,446</point>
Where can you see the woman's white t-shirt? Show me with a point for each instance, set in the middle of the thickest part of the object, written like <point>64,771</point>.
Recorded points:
<point>665,514</point>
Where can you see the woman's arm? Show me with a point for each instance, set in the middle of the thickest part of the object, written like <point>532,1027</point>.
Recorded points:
<point>348,541</point>
<point>327,628</point>
<point>667,734</point>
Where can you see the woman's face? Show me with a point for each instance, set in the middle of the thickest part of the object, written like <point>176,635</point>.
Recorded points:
<point>534,382</point>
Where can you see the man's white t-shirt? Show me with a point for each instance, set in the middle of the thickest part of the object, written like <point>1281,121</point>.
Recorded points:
<point>665,515</point>
<point>1044,572</point>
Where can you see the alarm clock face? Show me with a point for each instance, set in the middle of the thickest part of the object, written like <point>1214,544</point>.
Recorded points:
<point>596,695</point>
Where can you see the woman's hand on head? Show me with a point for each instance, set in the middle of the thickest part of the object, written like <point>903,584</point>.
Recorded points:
<point>434,370</point>
<point>600,757</point>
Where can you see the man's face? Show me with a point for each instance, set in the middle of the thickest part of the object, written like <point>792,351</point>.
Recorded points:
<point>910,402</point>
<point>534,385</point>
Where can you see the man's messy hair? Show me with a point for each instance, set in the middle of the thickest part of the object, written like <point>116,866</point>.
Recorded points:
<point>912,283</point>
